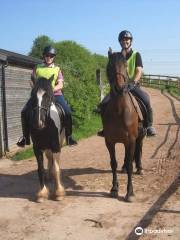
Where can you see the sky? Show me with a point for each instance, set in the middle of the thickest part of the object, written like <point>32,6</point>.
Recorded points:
<point>95,24</point>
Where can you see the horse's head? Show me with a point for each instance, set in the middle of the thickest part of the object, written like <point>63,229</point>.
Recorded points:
<point>117,71</point>
<point>42,98</point>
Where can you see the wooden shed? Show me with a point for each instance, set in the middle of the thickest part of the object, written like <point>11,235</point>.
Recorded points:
<point>15,73</point>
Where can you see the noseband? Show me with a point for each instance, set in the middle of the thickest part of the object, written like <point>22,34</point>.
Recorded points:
<point>46,109</point>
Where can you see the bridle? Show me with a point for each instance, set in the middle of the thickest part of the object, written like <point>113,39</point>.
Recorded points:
<point>120,90</point>
<point>45,108</point>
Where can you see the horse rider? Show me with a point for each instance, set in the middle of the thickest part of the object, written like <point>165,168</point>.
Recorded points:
<point>134,70</point>
<point>46,70</point>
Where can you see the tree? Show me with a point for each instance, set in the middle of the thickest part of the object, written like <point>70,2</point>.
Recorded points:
<point>39,44</point>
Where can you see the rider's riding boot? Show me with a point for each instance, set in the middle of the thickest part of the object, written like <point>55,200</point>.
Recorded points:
<point>100,133</point>
<point>150,130</point>
<point>25,139</point>
<point>21,142</point>
<point>68,130</point>
<point>70,141</point>
<point>97,110</point>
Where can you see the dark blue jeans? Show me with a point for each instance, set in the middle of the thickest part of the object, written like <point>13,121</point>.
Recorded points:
<point>61,100</point>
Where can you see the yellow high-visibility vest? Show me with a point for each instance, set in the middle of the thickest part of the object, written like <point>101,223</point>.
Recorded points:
<point>47,72</point>
<point>131,62</point>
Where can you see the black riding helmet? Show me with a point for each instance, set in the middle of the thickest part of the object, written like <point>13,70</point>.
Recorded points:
<point>125,34</point>
<point>49,50</point>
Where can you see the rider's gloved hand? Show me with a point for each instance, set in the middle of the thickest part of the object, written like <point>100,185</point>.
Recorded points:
<point>131,86</point>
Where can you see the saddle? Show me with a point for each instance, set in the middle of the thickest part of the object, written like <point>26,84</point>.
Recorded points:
<point>140,108</point>
<point>61,113</point>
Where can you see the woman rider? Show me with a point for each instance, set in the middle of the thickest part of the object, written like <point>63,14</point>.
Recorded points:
<point>46,70</point>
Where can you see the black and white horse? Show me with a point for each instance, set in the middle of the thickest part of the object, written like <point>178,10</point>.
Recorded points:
<point>47,134</point>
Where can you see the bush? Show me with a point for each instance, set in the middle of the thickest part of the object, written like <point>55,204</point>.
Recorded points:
<point>79,70</point>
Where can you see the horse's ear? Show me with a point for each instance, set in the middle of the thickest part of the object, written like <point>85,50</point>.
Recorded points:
<point>51,78</point>
<point>109,52</point>
<point>123,52</point>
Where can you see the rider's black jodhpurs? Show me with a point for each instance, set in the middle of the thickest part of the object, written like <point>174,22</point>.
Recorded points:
<point>144,97</point>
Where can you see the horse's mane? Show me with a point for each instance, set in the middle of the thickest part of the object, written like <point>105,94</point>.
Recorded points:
<point>43,84</point>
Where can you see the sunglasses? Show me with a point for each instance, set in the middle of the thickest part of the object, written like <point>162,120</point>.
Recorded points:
<point>49,55</point>
<point>126,39</point>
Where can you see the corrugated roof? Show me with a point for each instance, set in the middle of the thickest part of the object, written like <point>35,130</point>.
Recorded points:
<point>18,59</point>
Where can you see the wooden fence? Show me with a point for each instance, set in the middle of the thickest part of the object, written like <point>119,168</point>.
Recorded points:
<point>160,80</point>
<point>150,80</point>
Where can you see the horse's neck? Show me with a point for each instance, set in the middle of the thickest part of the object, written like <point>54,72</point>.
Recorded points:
<point>123,101</point>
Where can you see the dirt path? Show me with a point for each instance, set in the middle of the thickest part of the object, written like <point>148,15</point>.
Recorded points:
<point>87,212</point>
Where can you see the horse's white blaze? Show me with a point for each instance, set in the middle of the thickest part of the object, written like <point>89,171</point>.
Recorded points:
<point>55,116</point>
<point>40,94</point>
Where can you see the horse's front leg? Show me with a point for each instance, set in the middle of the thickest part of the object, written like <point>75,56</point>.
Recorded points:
<point>129,151</point>
<point>138,150</point>
<point>59,189</point>
<point>138,156</point>
<point>111,149</point>
<point>43,192</point>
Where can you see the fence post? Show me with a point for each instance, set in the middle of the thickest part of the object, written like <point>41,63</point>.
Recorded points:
<point>100,83</point>
<point>178,83</point>
<point>159,83</point>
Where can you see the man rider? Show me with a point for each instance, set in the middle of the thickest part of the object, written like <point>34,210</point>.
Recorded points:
<point>134,69</point>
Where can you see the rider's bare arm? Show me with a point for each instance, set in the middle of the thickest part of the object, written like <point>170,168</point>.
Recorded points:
<point>138,74</point>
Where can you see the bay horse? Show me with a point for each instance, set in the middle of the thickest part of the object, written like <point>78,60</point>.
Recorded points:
<point>121,122</point>
<point>47,134</point>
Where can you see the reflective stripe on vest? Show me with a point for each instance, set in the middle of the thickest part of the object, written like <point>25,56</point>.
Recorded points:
<point>47,72</point>
<point>131,66</point>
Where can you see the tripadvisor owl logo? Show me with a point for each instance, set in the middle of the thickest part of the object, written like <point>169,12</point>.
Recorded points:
<point>138,231</point>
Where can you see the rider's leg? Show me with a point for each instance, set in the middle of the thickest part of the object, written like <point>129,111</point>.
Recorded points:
<point>25,139</point>
<point>144,97</point>
<point>102,108</point>
<point>68,119</point>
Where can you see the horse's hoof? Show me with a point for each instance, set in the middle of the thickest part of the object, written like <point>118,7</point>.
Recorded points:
<point>42,195</point>
<point>59,194</point>
<point>123,170</point>
<point>58,198</point>
<point>139,172</point>
<point>129,198</point>
<point>40,199</point>
<point>114,194</point>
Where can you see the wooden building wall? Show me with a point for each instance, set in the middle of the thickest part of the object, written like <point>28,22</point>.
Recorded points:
<point>15,74</point>
<point>17,93</point>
